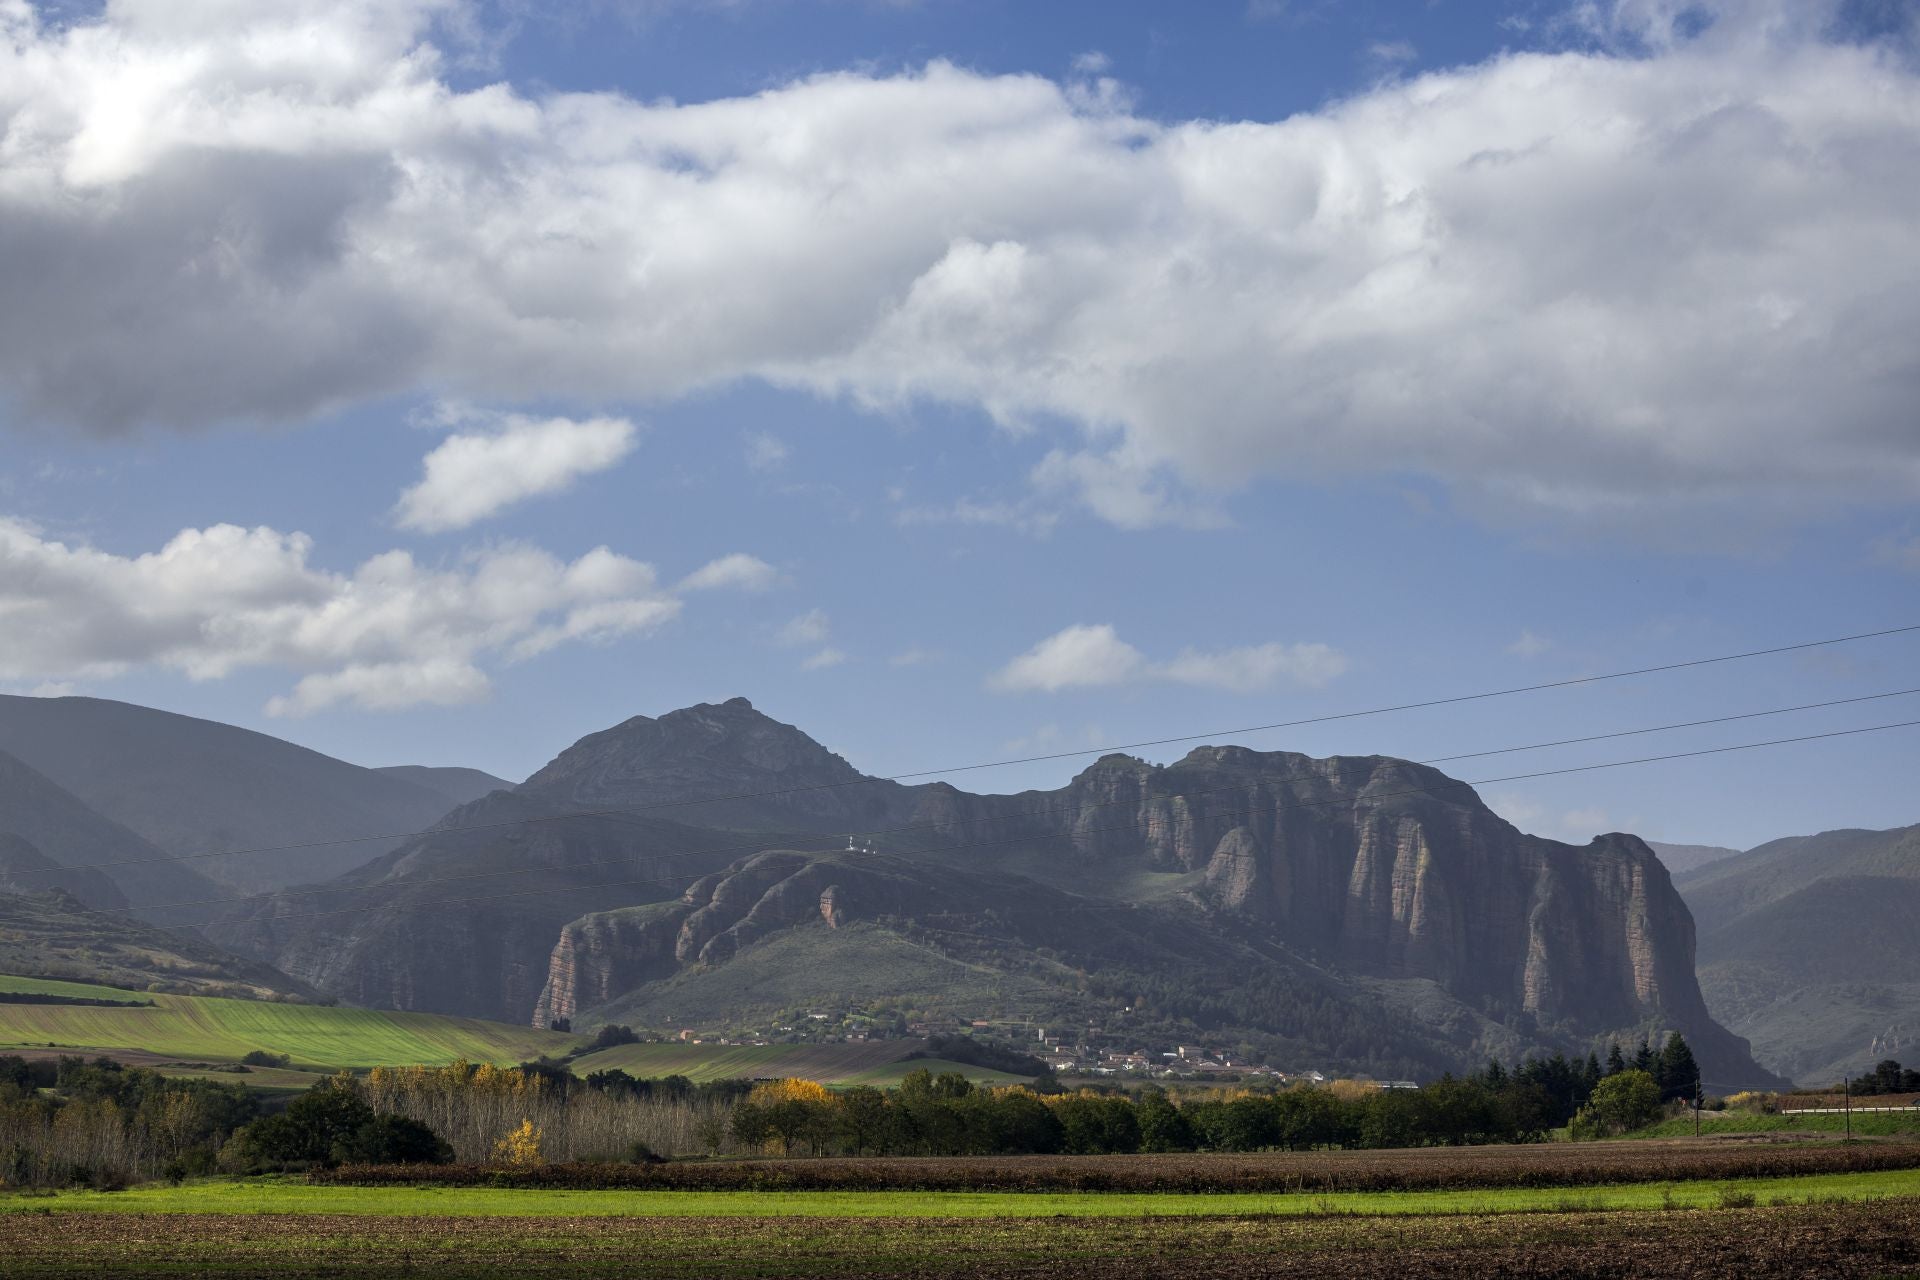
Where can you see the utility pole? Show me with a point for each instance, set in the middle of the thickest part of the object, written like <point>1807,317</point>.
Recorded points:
<point>1696,1102</point>
<point>1847,1086</point>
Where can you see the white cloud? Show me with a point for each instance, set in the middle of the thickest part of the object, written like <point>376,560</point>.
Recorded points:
<point>766,452</point>
<point>391,633</point>
<point>828,657</point>
<point>1078,657</point>
<point>1529,645</point>
<point>1026,517</point>
<point>809,628</point>
<point>1095,656</point>
<point>1258,667</point>
<point>471,476</point>
<point>736,572</point>
<point>913,658</point>
<point>212,210</point>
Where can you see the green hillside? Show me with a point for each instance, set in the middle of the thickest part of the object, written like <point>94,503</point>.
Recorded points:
<point>209,1029</point>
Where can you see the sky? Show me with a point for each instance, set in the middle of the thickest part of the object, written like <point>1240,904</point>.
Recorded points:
<point>428,381</point>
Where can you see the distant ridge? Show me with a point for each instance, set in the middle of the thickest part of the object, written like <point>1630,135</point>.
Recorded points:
<point>192,786</point>
<point>1682,858</point>
<point>1810,947</point>
<point>459,786</point>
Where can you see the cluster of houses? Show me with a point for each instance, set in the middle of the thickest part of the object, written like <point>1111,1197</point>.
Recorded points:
<point>1073,1055</point>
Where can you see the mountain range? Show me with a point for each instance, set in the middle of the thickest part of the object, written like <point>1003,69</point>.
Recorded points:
<point>192,788</point>
<point>1359,912</point>
<point>695,869</point>
<point>1809,946</point>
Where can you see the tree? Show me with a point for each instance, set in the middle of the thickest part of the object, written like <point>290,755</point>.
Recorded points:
<point>1163,1126</point>
<point>1615,1063</point>
<point>1679,1073</point>
<point>521,1148</point>
<point>1620,1103</point>
<point>391,1139</point>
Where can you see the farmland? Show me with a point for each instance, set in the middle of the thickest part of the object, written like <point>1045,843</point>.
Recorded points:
<point>1119,1237</point>
<point>1421,1169</point>
<point>212,1029</point>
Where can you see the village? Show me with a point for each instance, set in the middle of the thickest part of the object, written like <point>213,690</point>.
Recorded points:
<point>1088,1053</point>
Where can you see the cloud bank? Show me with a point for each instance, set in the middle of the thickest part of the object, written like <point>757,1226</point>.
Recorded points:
<point>392,633</point>
<point>1675,268</point>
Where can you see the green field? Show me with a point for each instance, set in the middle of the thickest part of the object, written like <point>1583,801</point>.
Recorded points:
<point>227,1196</point>
<point>878,1062</point>
<point>1872,1124</point>
<point>211,1029</point>
<point>55,987</point>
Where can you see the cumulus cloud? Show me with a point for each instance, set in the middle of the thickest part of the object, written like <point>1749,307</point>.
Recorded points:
<point>1095,656</point>
<point>1078,657</point>
<point>1668,269</point>
<point>736,572</point>
<point>471,476</point>
<point>392,633</point>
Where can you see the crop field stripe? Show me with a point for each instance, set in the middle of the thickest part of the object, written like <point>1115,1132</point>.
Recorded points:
<point>205,1027</point>
<point>287,1197</point>
<point>58,987</point>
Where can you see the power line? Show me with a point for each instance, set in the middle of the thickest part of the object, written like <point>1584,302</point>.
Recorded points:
<point>615,810</point>
<point>1046,810</point>
<point>1449,784</point>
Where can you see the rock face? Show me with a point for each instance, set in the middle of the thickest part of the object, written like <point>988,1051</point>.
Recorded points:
<point>715,829</point>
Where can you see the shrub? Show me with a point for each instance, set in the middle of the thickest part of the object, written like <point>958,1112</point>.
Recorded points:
<point>265,1058</point>
<point>1623,1102</point>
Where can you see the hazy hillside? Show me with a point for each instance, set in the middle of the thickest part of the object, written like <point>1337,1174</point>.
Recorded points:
<point>56,936</point>
<point>458,786</point>
<point>1681,858</point>
<point>194,786</point>
<point>1724,891</point>
<point>1353,910</point>
<point>63,831</point>
<point>1809,948</point>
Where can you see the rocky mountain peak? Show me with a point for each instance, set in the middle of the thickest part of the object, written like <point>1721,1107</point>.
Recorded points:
<point>754,769</point>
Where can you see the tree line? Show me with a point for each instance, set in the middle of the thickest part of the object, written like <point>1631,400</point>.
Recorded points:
<point>74,1122</point>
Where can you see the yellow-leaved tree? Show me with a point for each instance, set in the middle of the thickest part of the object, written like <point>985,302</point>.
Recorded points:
<point>521,1148</point>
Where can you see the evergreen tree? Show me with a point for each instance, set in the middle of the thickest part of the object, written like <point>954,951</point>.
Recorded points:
<point>1615,1062</point>
<point>1593,1076</point>
<point>1644,1058</point>
<point>1678,1072</point>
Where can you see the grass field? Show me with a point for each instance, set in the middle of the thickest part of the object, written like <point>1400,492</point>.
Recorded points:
<point>279,1196</point>
<point>206,1029</point>
<point>1881,1124</point>
<point>55,987</point>
<point>876,1062</point>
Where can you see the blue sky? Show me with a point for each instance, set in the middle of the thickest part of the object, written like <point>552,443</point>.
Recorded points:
<point>1232,363</point>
